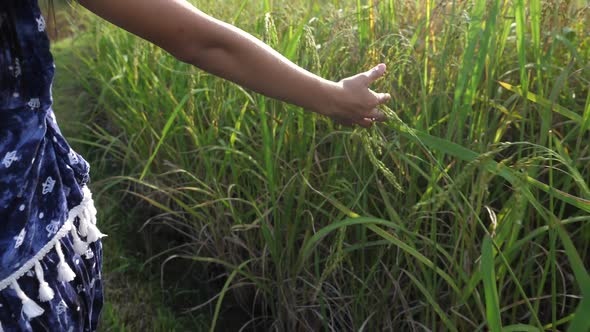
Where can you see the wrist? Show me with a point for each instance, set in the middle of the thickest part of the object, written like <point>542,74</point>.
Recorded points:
<point>328,94</point>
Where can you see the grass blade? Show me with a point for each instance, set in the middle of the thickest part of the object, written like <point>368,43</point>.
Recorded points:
<point>223,291</point>
<point>165,131</point>
<point>520,328</point>
<point>542,101</point>
<point>490,290</point>
<point>443,316</point>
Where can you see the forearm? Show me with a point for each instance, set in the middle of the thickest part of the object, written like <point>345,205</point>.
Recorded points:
<point>239,57</point>
<point>216,47</point>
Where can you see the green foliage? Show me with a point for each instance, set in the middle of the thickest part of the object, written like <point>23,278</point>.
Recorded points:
<point>467,210</point>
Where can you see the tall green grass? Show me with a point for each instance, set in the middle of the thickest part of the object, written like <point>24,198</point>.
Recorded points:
<point>467,210</point>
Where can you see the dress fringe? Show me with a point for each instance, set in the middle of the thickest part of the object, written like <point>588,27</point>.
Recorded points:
<point>86,214</point>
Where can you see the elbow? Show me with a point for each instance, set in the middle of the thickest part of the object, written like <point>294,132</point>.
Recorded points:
<point>183,46</point>
<point>203,50</point>
<point>203,43</point>
<point>208,58</point>
<point>186,54</point>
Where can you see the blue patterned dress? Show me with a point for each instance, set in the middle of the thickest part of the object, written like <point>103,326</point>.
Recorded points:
<point>50,249</point>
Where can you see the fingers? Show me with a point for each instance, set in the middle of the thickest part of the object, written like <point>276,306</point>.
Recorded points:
<point>375,73</point>
<point>362,108</point>
<point>364,120</point>
<point>382,98</point>
<point>365,123</point>
<point>376,115</point>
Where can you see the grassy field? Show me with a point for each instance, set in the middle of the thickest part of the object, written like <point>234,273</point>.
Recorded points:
<point>467,210</point>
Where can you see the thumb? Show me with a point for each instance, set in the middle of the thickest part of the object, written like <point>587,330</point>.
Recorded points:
<point>375,73</point>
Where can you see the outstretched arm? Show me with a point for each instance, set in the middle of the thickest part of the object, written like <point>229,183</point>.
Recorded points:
<point>228,52</point>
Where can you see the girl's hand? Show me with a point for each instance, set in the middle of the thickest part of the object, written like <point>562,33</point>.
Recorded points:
<point>352,102</point>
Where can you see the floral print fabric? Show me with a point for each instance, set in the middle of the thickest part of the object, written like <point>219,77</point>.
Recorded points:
<point>41,180</point>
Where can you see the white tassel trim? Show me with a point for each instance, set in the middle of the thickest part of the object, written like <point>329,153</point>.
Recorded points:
<point>93,233</point>
<point>30,308</point>
<point>64,271</point>
<point>87,204</point>
<point>80,247</point>
<point>46,294</point>
<point>39,256</point>
<point>87,218</point>
<point>83,227</point>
